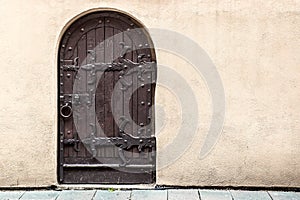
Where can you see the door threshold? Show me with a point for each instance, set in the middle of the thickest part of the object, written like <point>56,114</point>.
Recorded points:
<point>104,186</point>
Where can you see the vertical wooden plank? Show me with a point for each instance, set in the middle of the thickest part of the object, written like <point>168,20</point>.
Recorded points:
<point>91,85</point>
<point>135,100</point>
<point>127,102</point>
<point>108,82</point>
<point>82,129</point>
<point>100,87</point>
<point>118,93</point>
<point>68,122</point>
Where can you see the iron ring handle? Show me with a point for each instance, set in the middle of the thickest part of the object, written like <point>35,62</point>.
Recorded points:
<point>66,108</point>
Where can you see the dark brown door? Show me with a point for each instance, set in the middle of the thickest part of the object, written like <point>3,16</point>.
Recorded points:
<point>107,73</point>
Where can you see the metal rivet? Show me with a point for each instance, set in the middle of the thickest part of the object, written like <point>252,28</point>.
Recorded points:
<point>149,104</point>
<point>140,45</point>
<point>120,76</point>
<point>125,141</point>
<point>61,75</point>
<point>149,130</point>
<point>68,132</point>
<point>142,102</point>
<point>131,24</point>
<point>146,45</point>
<point>125,66</point>
<point>149,56</point>
<point>149,77</point>
<point>128,29</point>
<point>141,124</point>
<point>70,48</point>
<point>100,21</point>
<point>141,141</point>
<point>93,141</point>
<point>82,29</point>
<point>142,85</point>
<point>68,75</point>
<point>63,46</point>
<point>108,21</point>
<point>149,90</point>
<point>61,83</point>
<point>69,33</point>
<point>61,60</point>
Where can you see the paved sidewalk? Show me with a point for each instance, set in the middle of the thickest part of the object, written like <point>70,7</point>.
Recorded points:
<point>168,194</point>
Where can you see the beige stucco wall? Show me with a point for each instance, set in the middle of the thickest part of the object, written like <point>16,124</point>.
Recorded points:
<point>254,45</point>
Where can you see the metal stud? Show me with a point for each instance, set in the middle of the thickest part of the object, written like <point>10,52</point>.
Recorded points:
<point>70,48</point>
<point>69,132</point>
<point>108,21</point>
<point>100,21</point>
<point>140,45</point>
<point>82,29</point>
<point>63,46</point>
<point>146,45</point>
<point>131,24</point>
<point>125,66</point>
<point>68,75</point>
<point>61,75</point>
<point>128,29</point>
<point>149,77</point>
<point>149,103</point>
<point>61,83</point>
<point>142,102</point>
<point>142,85</point>
<point>141,124</point>
<point>141,141</point>
<point>149,90</point>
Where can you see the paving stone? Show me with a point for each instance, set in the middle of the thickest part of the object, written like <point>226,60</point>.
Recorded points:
<point>215,195</point>
<point>149,194</point>
<point>250,195</point>
<point>38,195</point>
<point>285,195</point>
<point>115,195</point>
<point>183,194</point>
<point>11,195</point>
<point>76,195</point>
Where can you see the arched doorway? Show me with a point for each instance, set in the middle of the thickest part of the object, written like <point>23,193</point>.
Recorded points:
<point>107,74</point>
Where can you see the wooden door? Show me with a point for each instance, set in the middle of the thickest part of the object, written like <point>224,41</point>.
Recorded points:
<point>107,73</point>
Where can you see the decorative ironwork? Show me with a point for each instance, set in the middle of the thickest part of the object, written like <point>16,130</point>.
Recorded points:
<point>125,142</point>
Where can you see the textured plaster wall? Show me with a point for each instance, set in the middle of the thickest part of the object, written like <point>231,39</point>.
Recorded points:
<point>254,45</point>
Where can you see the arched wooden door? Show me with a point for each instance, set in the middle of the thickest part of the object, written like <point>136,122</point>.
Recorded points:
<point>102,139</point>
